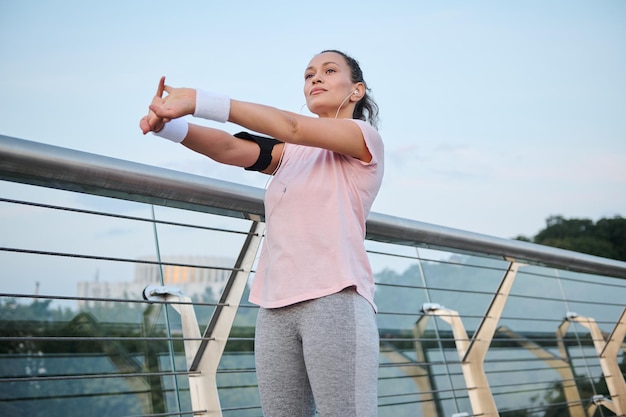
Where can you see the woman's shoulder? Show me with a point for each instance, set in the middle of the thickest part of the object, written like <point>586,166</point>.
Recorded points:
<point>370,134</point>
<point>367,129</point>
<point>365,125</point>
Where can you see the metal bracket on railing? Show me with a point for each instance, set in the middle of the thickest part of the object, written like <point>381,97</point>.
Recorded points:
<point>160,292</point>
<point>600,400</point>
<point>184,307</point>
<point>430,307</point>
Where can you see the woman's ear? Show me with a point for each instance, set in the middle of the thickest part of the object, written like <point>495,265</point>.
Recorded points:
<point>358,93</point>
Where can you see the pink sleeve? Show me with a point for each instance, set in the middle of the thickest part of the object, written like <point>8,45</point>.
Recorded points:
<point>373,141</point>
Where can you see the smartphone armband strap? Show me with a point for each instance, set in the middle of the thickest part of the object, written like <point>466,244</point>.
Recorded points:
<point>265,154</point>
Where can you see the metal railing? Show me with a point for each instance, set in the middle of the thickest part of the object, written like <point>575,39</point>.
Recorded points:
<point>513,303</point>
<point>49,166</point>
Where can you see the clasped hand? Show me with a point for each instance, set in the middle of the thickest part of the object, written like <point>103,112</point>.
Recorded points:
<point>177,103</point>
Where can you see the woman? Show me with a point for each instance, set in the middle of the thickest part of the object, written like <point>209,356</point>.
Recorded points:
<point>316,342</point>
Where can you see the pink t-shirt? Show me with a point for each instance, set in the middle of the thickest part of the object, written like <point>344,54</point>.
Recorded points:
<point>315,209</point>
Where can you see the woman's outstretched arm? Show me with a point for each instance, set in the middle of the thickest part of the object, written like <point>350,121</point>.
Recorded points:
<point>217,144</point>
<point>338,135</point>
<point>223,147</point>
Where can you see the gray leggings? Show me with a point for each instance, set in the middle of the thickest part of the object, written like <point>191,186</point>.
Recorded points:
<point>320,353</point>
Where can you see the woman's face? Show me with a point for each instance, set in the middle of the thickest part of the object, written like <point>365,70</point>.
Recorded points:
<point>328,84</point>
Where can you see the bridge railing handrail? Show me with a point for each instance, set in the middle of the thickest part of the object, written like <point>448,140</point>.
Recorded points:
<point>51,166</point>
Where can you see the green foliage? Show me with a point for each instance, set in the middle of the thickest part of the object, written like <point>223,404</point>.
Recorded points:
<point>605,238</point>
<point>39,310</point>
<point>39,342</point>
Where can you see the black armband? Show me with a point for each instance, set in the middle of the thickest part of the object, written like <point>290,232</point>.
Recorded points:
<point>265,155</point>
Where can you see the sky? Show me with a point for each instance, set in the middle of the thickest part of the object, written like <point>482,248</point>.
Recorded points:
<point>495,114</point>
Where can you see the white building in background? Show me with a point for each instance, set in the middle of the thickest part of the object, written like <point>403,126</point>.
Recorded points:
<point>194,275</point>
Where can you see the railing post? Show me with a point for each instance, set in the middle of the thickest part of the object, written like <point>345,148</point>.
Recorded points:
<point>204,353</point>
<point>472,353</point>
<point>607,353</point>
<point>561,364</point>
<point>203,384</point>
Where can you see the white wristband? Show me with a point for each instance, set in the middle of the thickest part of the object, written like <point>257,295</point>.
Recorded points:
<point>175,130</point>
<point>212,106</point>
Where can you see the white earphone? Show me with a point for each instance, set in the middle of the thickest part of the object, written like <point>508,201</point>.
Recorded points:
<point>344,101</point>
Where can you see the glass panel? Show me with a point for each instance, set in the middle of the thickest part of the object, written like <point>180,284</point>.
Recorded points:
<point>76,334</point>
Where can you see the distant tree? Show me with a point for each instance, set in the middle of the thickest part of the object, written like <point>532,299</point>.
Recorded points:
<point>11,310</point>
<point>605,238</point>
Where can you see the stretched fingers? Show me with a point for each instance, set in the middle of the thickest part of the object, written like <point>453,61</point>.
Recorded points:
<point>152,122</point>
<point>144,125</point>
<point>161,87</point>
